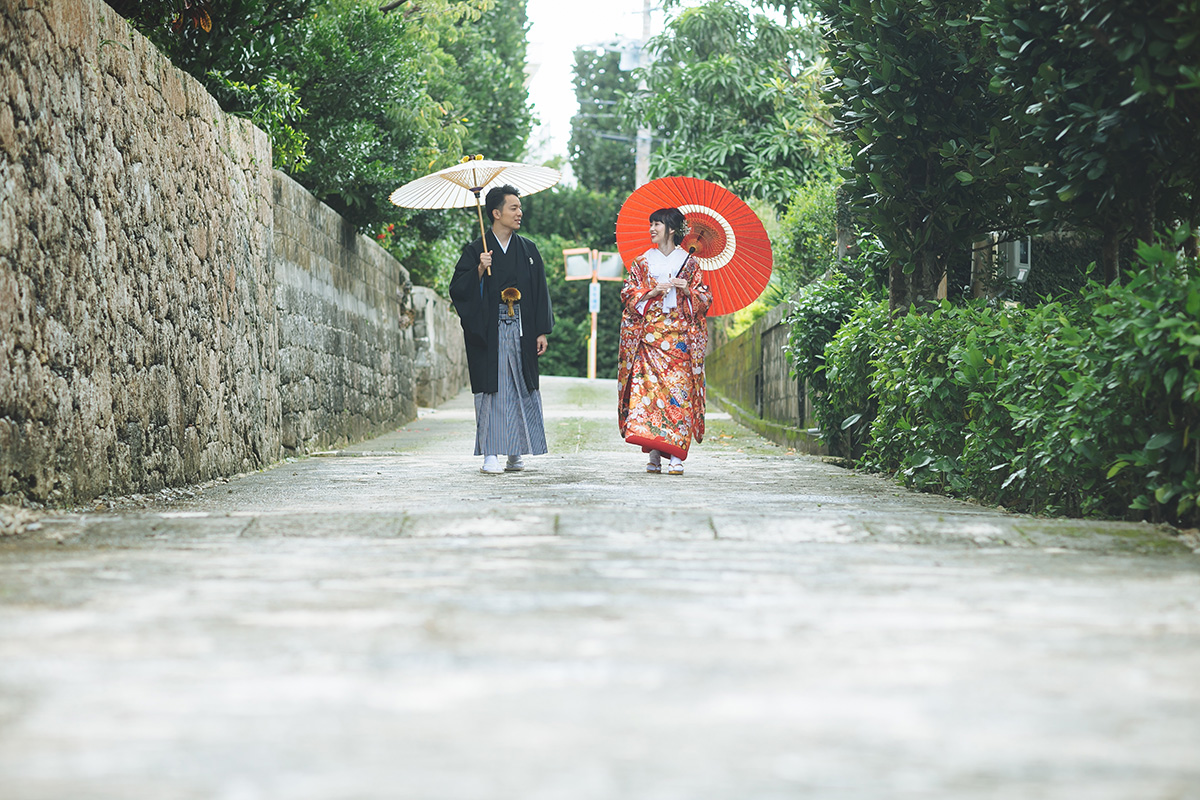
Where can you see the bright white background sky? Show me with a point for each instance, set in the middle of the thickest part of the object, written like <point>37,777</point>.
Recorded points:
<point>556,28</point>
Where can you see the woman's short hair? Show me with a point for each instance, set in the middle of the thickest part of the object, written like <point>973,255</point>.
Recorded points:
<point>495,199</point>
<point>674,220</point>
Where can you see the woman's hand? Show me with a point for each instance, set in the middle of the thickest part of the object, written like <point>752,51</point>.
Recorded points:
<point>681,284</point>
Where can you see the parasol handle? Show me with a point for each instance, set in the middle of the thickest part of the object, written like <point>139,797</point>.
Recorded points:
<point>482,234</point>
<point>691,251</point>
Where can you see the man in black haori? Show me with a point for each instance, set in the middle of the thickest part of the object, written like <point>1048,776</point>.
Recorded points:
<point>499,291</point>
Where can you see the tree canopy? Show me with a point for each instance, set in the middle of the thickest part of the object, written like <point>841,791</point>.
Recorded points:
<point>602,137</point>
<point>1106,95</point>
<point>929,171</point>
<point>359,99</point>
<point>1017,116</point>
<point>733,96</point>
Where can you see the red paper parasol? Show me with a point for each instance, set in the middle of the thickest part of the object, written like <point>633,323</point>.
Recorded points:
<point>729,241</point>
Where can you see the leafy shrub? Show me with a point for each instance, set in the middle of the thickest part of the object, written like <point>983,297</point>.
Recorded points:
<point>1151,328</point>
<point>743,319</point>
<point>806,245</point>
<point>941,424</point>
<point>918,427</point>
<point>273,106</point>
<point>1083,408</point>
<point>818,310</point>
<point>1058,404</point>
<point>845,407</point>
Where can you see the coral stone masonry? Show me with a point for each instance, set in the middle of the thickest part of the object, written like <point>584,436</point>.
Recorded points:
<point>172,309</point>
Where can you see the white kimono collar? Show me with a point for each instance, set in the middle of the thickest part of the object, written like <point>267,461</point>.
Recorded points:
<point>662,267</point>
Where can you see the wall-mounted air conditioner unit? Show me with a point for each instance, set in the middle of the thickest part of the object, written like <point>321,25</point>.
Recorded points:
<point>1016,256</point>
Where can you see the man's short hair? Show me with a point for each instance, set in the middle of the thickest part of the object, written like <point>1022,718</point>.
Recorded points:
<point>495,199</point>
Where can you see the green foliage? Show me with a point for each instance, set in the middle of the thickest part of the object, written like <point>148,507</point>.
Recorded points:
<point>806,246</point>
<point>1150,332</point>
<point>242,44</point>
<point>737,323</point>
<point>1066,410</point>
<point>818,310</point>
<point>1082,408</point>
<point>1109,93</point>
<point>734,98</point>
<point>920,425</point>
<point>273,106</point>
<point>359,101</point>
<point>602,139</point>
<point>846,406</point>
<point>1017,116</point>
<point>577,214</point>
<point>490,57</point>
<point>868,265</point>
<point>366,79</point>
<point>931,164</point>
<point>1062,267</point>
<point>430,259</point>
<point>568,350</point>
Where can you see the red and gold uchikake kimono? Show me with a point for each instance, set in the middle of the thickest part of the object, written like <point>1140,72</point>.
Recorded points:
<point>660,370</point>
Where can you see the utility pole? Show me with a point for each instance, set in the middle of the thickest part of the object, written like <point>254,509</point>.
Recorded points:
<point>642,155</point>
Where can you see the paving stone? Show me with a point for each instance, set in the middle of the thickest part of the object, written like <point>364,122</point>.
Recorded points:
<point>384,621</point>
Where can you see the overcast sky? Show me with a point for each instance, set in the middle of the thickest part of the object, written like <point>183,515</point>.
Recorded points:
<point>556,29</point>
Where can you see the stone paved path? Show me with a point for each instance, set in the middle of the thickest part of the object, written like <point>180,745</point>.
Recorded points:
<point>386,622</point>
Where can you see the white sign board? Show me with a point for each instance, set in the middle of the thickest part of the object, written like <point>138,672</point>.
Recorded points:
<point>594,298</point>
<point>610,267</point>
<point>579,264</point>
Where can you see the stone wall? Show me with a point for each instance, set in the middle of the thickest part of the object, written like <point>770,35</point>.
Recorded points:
<point>345,327</point>
<point>441,360</point>
<point>135,238</point>
<point>750,377</point>
<point>149,334</point>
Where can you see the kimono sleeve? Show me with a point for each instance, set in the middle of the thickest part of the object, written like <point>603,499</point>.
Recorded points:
<point>544,322</point>
<point>700,294</point>
<point>635,287</point>
<point>467,296</point>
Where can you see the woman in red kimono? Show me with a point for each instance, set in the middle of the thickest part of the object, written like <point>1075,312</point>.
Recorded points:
<point>660,373</point>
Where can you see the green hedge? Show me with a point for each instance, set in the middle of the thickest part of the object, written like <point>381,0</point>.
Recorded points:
<point>806,243</point>
<point>1087,407</point>
<point>567,354</point>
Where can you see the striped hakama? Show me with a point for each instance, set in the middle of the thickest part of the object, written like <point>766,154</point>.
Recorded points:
<point>509,422</point>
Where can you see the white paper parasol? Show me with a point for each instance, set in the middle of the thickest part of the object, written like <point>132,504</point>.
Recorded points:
<point>460,186</point>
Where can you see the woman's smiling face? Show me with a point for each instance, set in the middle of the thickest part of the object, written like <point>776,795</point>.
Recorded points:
<point>659,233</point>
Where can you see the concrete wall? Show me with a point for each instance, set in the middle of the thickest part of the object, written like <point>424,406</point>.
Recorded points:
<point>171,308</point>
<point>749,376</point>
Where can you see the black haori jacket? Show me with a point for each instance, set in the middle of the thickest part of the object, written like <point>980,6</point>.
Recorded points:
<point>479,312</point>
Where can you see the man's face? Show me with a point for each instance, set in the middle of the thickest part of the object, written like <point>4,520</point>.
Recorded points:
<point>509,213</point>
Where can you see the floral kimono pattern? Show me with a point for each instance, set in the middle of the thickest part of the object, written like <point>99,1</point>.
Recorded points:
<point>660,369</point>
